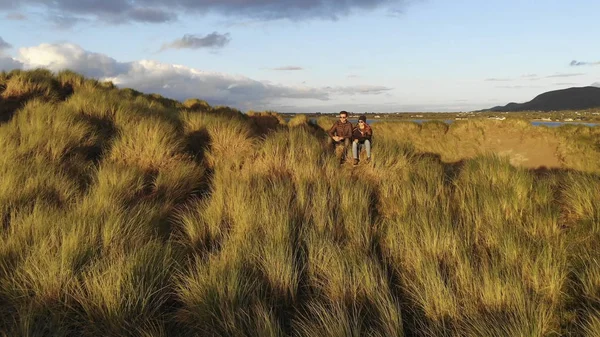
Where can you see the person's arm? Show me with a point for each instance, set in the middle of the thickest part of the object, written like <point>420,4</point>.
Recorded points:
<point>356,135</point>
<point>331,131</point>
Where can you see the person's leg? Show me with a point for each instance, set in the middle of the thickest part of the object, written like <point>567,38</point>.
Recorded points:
<point>346,147</point>
<point>368,148</point>
<point>355,150</point>
<point>330,143</point>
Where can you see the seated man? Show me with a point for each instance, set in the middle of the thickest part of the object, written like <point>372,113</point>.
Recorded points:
<point>361,134</point>
<point>341,133</point>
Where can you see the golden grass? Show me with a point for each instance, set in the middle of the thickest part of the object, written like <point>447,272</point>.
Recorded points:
<point>124,214</point>
<point>569,146</point>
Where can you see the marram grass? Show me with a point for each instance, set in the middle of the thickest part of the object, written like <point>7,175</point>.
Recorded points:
<point>124,214</point>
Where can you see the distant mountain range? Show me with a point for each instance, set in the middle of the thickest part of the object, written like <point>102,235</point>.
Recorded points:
<point>566,99</point>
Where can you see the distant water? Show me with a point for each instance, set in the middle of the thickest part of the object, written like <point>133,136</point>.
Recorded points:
<point>555,124</point>
<point>421,121</point>
<point>534,123</point>
<point>450,121</point>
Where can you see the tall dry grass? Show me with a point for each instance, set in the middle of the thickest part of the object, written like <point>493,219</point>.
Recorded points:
<point>124,214</point>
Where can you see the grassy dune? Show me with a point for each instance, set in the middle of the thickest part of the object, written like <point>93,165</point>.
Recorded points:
<point>123,214</point>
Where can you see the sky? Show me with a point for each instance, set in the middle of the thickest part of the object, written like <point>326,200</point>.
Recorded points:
<point>314,55</point>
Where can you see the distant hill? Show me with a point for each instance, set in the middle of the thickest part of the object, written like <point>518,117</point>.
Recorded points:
<point>565,99</point>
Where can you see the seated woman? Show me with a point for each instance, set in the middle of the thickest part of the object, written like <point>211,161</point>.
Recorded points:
<point>361,136</point>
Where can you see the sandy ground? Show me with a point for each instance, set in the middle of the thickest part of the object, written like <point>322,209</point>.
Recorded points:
<point>523,150</point>
<point>524,145</point>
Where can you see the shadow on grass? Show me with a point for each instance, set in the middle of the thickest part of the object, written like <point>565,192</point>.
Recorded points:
<point>8,107</point>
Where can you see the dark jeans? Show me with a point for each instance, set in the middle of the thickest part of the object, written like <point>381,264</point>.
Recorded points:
<point>345,142</point>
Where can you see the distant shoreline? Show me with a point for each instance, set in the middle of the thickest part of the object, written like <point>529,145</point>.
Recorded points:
<point>534,122</point>
<point>588,116</point>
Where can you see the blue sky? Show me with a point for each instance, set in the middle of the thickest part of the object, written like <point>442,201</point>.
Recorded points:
<point>314,55</point>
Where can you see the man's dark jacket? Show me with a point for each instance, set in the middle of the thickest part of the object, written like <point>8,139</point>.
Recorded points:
<point>341,129</point>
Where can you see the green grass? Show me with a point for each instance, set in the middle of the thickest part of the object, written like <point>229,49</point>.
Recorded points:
<point>125,214</point>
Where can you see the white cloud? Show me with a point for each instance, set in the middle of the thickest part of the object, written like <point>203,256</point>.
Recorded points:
<point>62,56</point>
<point>597,84</point>
<point>494,79</point>
<point>565,75</point>
<point>177,81</point>
<point>359,89</point>
<point>182,82</point>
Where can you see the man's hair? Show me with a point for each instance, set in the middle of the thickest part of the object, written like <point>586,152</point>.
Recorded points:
<point>344,113</point>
